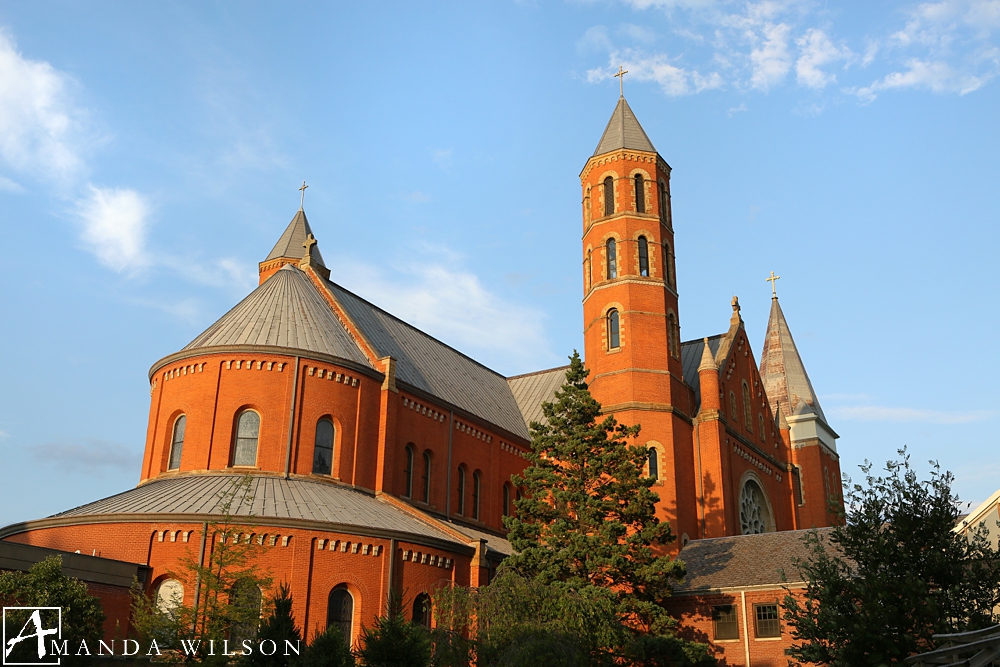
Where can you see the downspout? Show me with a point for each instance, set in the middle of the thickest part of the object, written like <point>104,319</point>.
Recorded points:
<point>197,581</point>
<point>291,420</point>
<point>451,433</point>
<point>746,631</point>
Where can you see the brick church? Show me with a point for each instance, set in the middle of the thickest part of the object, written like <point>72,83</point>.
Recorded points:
<point>381,458</point>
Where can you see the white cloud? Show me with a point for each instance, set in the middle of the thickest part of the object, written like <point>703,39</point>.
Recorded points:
<point>7,185</point>
<point>114,227</point>
<point>816,50</point>
<point>673,80</point>
<point>888,414</point>
<point>451,304</point>
<point>92,455</point>
<point>772,60</point>
<point>735,110</point>
<point>41,128</point>
<point>938,77</point>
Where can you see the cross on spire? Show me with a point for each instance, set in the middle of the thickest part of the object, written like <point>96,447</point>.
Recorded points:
<point>302,199</point>
<point>772,279</point>
<point>621,80</point>
<point>308,244</point>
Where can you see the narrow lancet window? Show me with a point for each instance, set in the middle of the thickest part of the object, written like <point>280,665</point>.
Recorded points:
<point>611,248</point>
<point>177,443</point>
<point>643,256</point>
<point>476,488</point>
<point>663,201</point>
<point>427,477</point>
<point>640,194</point>
<point>614,338</point>
<point>408,472</point>
<point>461,490</point>
<point>247,432</point>
<point>654,464</point>
<point>609,196</point>
<point>323,451</point>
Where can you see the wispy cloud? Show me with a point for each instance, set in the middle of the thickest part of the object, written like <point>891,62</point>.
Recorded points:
<point>672,79</point>
<point>115,223</point>
<point>938,77</point>
<point>7,185</point>
<point>90,455</point>
<point>816,51</point>
<point>873,413</point>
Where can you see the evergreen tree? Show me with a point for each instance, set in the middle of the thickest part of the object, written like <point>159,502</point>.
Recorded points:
<point>894,574</point>
<point>328,649</point>
<point>279,627</point>
<point>587,518</point>
<point>394,642</point>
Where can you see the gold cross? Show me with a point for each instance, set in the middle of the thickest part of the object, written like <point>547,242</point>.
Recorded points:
<point>302,199</point>
<point>621,80</point>
<point>774,292</point>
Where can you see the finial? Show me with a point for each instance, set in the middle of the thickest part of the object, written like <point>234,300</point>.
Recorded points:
<point>621,80</point>
<point>736,304</point>
<point>774,292</point>
<point>302,199</point>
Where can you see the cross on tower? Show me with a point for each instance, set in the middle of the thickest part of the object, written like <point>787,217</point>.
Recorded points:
<point>308,244</point>
<point>774,292</point>
<point>302,199</point>
<point>621,80</point>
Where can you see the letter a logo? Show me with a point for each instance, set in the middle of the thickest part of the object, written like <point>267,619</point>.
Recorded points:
<point>19,649</point>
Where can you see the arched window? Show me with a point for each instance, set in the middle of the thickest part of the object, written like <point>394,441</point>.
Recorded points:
<point>169,596</point>
<point>614,338</point>
<point>663,201</point>
<point>640,194</point>
<point>587,272</point>
<point>408,472</point>
<point>422,610</point>
<point>323,451</point>
<point>506,500</point>
<point>611,249</point>
<point>732,405</point>
<point>609,195</point>
<point>476,488</point>
<point>427,477</point>
<point>672,334</point>
<point>244,602</point>
<point>755,513</point>
<point>340,612</point>
<point>643,256</point>
<point>461,490</point>
<point>177,443</point>
<point>247,432</point>
<point>668,265</point>
<point>747,409</point>
<point>654,463</point>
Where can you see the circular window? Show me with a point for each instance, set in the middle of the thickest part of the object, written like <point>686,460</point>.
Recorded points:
<point>754,514</point>
<point>169,596</point>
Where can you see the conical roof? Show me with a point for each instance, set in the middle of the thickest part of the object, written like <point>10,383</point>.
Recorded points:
<point>292,239</point>
<point>285,311</point>
<point>623,131</point>
<point>781,370</point>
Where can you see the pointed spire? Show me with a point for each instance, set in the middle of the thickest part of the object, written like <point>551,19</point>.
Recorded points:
<point>780,420</point>
<point>623,131</point>
<point>291,244</point>
<point>707,359</point>
<point>781,370</point>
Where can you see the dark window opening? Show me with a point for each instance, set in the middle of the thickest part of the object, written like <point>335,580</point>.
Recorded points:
<point>476,484</point>
<point>654,463</point>
<point>611,248</point>
<point>643,256</point>
<point>408,472</point>
<point>323,451</point>
<point>614,338</point>
<point>609,195</point>
<point>422,610</point>
<point>640,194</point>
<point>461,490</point>
<point>340,612</point>
<point>177,443</point>
<point>427,477</point>
<point>766,620</point>
<point>724,622</point>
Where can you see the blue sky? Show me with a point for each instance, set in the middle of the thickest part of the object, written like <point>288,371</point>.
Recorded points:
<point>150,155</point>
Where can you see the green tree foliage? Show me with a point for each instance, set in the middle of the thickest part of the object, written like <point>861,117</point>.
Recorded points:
<point>394,642</point>
<point>587,518</point>
<point>45,585</point>
<point>278,627</point>
<point>894,574</point>
<point>328,649</point>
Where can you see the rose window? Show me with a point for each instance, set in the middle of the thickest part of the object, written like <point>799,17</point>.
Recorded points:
<point>754,516</point>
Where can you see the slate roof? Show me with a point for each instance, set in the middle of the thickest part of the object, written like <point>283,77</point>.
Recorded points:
<point>532,389</point>
<point>623,131</point>
<point>743,560</point>
<point>429,365</point>
<point>494,543</point>
<point>272,497</point>
<point>786,382</point>
<point>691,352</point>
<point>290,243</point>
<point>285,311</point>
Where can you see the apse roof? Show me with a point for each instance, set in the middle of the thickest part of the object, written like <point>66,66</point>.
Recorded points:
<point>533,389</point>
<point>285,311</point>
<point>623,131</point>
<point>270,498</point>
<point>429,365</point>
<point>291,242</point>
<point>742,561</point>
<point>786,382</point>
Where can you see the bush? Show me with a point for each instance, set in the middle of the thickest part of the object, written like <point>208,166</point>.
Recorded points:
<point>328,649</point>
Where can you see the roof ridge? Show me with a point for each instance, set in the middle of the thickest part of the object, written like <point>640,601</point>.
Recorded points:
<point>547,370</point>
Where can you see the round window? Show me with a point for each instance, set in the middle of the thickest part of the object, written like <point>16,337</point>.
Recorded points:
<point>754,514</point>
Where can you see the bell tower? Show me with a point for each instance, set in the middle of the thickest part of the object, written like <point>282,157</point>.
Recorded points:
<point>631,325</point>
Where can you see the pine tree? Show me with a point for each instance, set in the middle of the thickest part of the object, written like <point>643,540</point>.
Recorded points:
<point>587,518</point>
<point>279,627</point>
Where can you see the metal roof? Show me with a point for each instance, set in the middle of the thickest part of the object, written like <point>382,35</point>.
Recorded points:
<point>429,365</point>
<point>270,497</point>
<point>742,561</point>
<point>285,311</point>
<point>498,545</point>
<point>623,131</point>
<point>786,382</point>
<point>691,352</point>
<point>532,389</point>
<point>290,244</point>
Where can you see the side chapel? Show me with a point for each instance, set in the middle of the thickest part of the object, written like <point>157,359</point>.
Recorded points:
<point>381,458</point>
